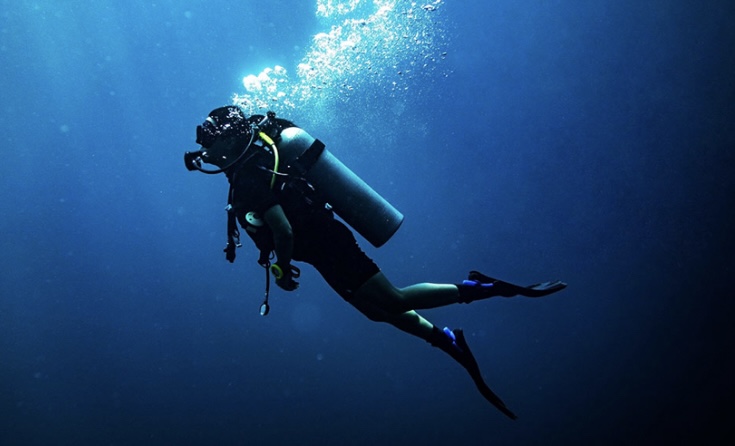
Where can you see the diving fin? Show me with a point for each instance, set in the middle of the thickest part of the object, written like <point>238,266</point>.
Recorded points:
<point>468,361</point>
<point>507,289</point>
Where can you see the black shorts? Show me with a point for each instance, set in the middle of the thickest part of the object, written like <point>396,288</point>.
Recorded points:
<point>331,248</point>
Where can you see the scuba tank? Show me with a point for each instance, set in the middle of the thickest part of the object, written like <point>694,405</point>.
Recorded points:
<point>366,211</point>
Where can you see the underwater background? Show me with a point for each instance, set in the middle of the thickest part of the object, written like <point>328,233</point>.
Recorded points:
<point>592,142</point>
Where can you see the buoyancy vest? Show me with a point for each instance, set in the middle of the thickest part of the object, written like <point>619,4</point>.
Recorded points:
<point>294,191</point>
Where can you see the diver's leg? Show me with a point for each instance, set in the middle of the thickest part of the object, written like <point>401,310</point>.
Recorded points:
<point>383,293</point>
<point>380,301</point>
<point>410,321</point>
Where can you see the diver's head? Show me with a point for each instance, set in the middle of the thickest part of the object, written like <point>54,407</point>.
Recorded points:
<point>224,135</point>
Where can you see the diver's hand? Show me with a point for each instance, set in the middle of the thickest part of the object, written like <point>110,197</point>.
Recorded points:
<point>230,252</point>
<point>285,276</point>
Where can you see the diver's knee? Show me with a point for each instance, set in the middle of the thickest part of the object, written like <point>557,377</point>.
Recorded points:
<point>391,300</point>
<point>380,292</point>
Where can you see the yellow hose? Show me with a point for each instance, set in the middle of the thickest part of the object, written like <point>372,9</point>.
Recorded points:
<point>267,139</point>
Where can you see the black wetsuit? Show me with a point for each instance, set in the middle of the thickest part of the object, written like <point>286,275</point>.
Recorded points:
<point>318,238</point>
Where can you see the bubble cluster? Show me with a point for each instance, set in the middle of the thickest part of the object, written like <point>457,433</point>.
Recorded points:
<point>376,49</point>
<point>267,88</point>
<point>327,8</point>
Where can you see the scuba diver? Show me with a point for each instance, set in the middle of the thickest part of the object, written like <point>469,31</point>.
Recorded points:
<point>285,188</point>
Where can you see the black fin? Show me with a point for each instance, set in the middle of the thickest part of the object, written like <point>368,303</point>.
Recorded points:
<point>470,364</point>
<point>508,289</point>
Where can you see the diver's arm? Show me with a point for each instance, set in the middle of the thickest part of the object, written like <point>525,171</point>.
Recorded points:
<point>282,234</point>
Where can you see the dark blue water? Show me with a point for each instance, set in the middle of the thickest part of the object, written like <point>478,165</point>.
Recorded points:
<point>588,141</point>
